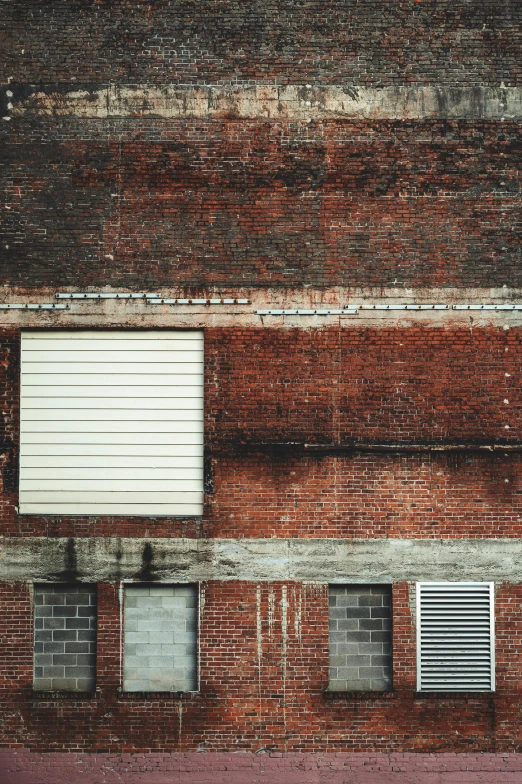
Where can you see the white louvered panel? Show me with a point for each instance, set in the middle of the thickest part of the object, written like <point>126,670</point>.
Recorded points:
<point>112,497</point>
<point>455,637</point>
<point>116,414</point>
<point>112,423</point>
<point>110,484</point>
<point>133,508</point>
<point>157,351</point>
<point>82,473</point>
<point>132,365</point>
<point>114,334</point>
<point>81,438</point>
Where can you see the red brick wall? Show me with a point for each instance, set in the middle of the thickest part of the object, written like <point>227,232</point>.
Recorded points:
<point>388,385</point>
<point>228,203</point>
<point>376,42</point>
<point>143,203</point>
<point>330,386</point>
<point>264,668</point>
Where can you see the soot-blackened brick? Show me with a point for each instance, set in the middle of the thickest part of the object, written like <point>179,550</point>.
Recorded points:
<point>452,42</point>
<point>244,202</point>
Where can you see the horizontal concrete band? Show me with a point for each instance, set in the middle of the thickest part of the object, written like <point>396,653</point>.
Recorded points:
<point>267,102</point>
<point>307,560</point>
<point>289,307</point>
<point>22,767</point>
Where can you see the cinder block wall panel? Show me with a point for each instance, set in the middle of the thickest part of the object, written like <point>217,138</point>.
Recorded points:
<point>65,637</point>
<point>160,652</point>
<point>360,637</point>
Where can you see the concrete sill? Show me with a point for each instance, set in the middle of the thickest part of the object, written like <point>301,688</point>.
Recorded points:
<point>65,695</point>
<point>157,695</point>
<point>331,694</point>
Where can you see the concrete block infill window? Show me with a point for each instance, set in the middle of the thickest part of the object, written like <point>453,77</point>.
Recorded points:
<point>64,637</point>
<point>360,638</point>
<point>160,635</point>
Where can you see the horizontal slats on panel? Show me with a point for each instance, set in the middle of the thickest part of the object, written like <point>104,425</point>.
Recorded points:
<point>112,423</point>
<point>132,508</point>
<point>112,405</point>
<point>112,392</point>
<point>116,414</point>
<point>81,438</point>
<point>455,637</point>
<point>111,334</point>
<point>112,377</point>
<point>57,427</point>
<point>114,462</point>
<point>111,450</point>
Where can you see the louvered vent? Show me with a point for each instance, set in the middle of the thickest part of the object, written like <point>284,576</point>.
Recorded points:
<point>455,637</point>
<point>112,422</point>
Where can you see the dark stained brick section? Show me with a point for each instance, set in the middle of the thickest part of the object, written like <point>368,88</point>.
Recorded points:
<point>454,42</point>
<point>149,203</point>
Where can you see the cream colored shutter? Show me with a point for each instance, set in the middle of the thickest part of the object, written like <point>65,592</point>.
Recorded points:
<point>455,637</point>
<point>112,423</point>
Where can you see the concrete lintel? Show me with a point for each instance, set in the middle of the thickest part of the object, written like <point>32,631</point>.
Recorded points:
<point>140,313</point>
<point>266,102</point>
<point>303,560</point>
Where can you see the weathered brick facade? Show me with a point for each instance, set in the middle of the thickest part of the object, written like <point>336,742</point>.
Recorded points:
<point>300,156</point>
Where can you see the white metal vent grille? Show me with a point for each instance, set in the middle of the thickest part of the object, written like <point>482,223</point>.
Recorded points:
<point>112,423</point>
<point>455,637</point>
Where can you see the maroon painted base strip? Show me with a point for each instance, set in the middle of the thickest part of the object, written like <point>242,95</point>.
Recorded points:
<point>19,766</point>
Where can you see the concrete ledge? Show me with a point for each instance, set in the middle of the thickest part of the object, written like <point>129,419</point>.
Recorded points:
<point>18,766</point>
<point>263,102</point>
<point>322,561</point>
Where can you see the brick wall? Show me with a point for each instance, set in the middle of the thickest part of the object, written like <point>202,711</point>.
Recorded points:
<point>279,204</point>
<point>191,202</point>
<point>264,658</point>
<point>378,42</point>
